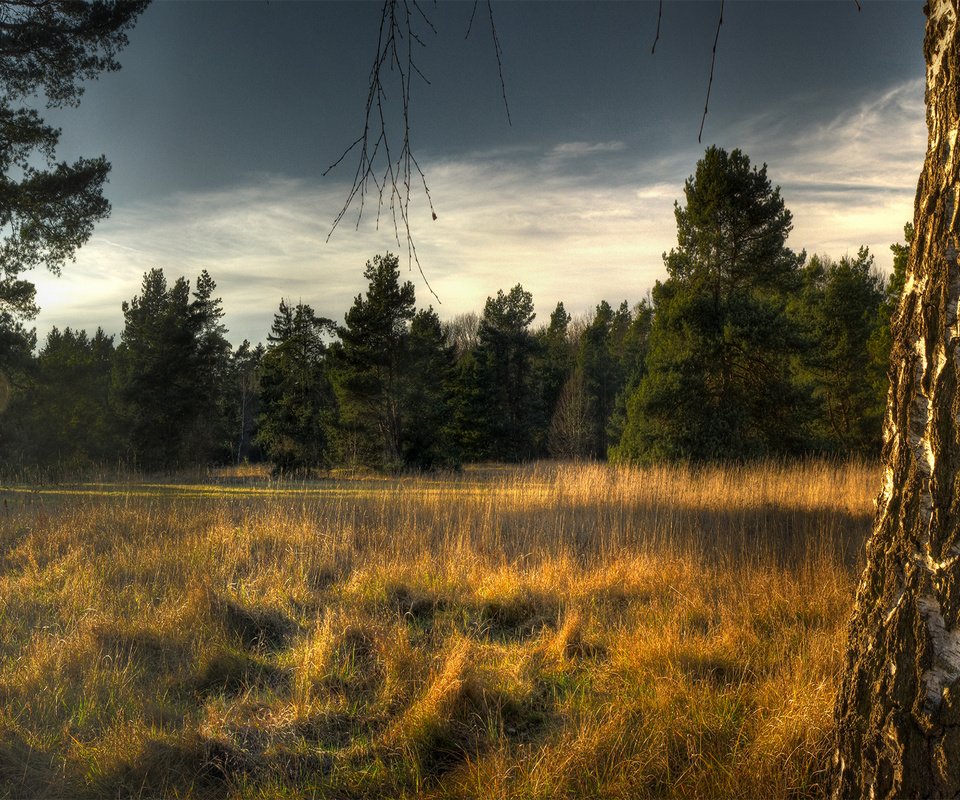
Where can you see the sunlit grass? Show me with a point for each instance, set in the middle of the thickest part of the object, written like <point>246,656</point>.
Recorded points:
<point>546,631</point>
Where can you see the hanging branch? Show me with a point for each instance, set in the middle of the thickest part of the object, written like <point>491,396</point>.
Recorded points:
<point>713,61</point>
<point>499,53</point>
<point>389,173</point>
<point>656,38</point>
<point>381,169</point>
<point>497,50</point>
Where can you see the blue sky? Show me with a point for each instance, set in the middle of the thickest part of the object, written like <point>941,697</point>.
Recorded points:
<point>225,116</point>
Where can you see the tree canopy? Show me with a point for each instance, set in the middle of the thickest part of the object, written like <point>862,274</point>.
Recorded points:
<point>718,368</point>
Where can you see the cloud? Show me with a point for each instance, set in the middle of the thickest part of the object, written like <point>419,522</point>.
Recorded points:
<point>504,217</point>
<point>852,179</point>
<point>581,149</point>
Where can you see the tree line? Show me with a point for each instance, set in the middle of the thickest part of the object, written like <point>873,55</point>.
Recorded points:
<point>746,349</point>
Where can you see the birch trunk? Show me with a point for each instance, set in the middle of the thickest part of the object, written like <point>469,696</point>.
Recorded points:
<point>898,711</point>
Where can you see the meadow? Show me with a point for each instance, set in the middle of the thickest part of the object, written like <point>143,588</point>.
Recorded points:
<point>550,631</point>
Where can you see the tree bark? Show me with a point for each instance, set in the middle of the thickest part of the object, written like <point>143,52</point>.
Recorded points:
<point>898,710</point>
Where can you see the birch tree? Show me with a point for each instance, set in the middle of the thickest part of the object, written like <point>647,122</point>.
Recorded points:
<point>898,709</point>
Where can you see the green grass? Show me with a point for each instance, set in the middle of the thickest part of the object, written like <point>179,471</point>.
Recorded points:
<point>549,631</point>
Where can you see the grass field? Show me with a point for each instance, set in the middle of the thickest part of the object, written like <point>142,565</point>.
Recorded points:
<point>544,632</point>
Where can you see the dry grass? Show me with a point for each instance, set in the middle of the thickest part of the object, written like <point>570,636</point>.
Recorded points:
<point>553,631</point>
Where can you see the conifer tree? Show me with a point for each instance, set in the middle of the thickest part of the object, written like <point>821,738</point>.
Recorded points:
<point>718,383</point>
<point>297,408</point>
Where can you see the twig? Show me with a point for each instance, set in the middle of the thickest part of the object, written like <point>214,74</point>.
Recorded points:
<point>657,37</point>
<point>499,52</point>
<point>713,61</point>
<point>378,171</point>
<point>382,169</point>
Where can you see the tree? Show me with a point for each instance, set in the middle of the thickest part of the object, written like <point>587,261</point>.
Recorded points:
<point>506,404</point>
<point>71,415</point>
<point>898,705</point>
<point>881,343</point>
<point>430,364</point>
<point>297,407</point>
<point>170,367</point>
<point>242,399</point>
<point>370,376</point>
<point>571,429</point>
<point>718,383</point>
<point>554,359</point>
<point>601,368</point>
<point>633,354</point>
<point>209,438</point>
<point>839,308</point>
<point>48,208</point>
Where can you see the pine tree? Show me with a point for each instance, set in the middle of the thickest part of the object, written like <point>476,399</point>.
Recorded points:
<point>297,408</point>
<point>839,310</point>
<point>169,369</point>
<point>509,406</point>
<point>370,379</point>
<point>719,384</point>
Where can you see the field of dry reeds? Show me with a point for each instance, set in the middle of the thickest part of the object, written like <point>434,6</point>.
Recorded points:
<point>554,631</point>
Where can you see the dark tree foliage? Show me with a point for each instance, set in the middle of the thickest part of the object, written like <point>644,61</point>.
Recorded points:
<point>839,311</point>
<point>426,438</point>
<point>504,398</point>
<point>393,375</point>
<point>71,416</point>
<point>881,342</point>
<point>554,358</point>
<point>297,407</point>
<point>242,394</point>
<point>370,378</point>
<point>48,208</point>
<point>600,363</point>
<point>170,364</point>
<point>718,383</point>
<point>633,355</point>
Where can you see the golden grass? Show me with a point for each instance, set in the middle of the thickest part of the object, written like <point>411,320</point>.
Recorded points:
<point>539,632</point>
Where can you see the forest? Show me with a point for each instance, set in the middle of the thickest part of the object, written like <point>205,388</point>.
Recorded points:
<point>746,349</point>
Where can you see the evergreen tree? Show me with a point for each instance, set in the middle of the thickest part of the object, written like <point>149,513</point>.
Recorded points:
<point>370,378</point>
<point>169,367</point>
<point>553,362</point>
<point>881,342</point>
<point>600,363</point>
<point>242,399</point>
<point>839,307</point>
<point>633,357</point>
<point>718,382</point>
<point>297,407</point>
<point>427,441</point>
<point>47,207</point>
<point>71,417</point>
<point>508,410</point>
<point>209,437</point>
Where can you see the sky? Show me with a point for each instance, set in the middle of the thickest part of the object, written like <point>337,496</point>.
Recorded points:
<point>226,115</point>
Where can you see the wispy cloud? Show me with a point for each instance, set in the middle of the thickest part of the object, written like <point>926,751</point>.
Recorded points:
<point>849,180</point>
<point>504,217</point>
<point>581,149</point>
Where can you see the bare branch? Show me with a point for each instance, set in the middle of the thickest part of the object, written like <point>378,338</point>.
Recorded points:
<point>713,61</point>
<point>657,37</point>
<point>499,52</point>
<point>390,173</point>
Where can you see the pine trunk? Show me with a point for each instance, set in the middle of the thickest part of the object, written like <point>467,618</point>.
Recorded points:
<point>898,710</point>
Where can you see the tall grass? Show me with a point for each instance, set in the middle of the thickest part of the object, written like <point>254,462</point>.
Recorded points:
<point>551,631</point>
